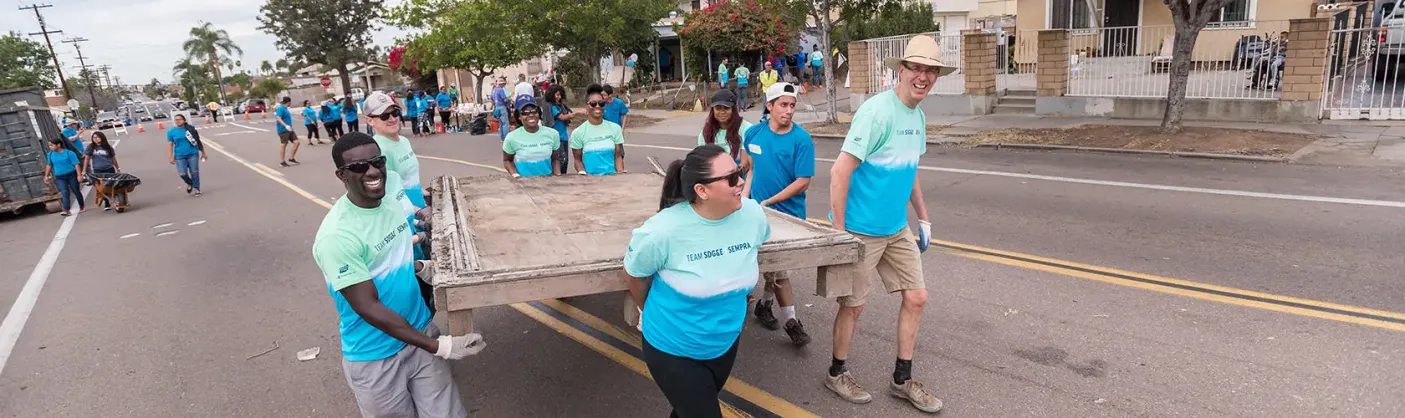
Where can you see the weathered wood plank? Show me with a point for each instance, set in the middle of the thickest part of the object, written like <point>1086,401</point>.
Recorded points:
<point>460,322</point>
<point>503,293</point>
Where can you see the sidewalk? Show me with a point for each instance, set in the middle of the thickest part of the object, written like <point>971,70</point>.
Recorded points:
<point>1362,144</point>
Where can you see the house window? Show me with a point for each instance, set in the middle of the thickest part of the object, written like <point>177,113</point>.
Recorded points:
<point>1070,14</point>
<point>1234,15</point>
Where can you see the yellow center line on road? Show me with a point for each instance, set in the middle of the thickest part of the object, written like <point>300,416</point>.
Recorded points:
<point>739,391</point>
<point>1286,304</point>
<point>270,169</point>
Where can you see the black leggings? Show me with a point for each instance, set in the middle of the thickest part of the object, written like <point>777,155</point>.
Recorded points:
<point>351,126</point>
<point>333,129</point>
<point>312,132</point>
<point>691,386</point>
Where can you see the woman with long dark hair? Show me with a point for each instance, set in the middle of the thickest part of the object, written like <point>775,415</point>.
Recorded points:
<point>331,120</point>
<point>62,167</point>
<point>691,267</point>
<point>724,126</point>
<point>309,119</point>
<point>101,158</point>
<point>560,120</point>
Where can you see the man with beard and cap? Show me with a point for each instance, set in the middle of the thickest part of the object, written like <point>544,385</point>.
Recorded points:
<point>394,358</point>
<point>873,181</point>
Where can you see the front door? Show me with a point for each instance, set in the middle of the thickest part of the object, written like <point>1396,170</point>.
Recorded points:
<point>1121,18</point>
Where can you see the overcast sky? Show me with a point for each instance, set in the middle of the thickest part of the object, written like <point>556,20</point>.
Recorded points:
<point>142,39</point>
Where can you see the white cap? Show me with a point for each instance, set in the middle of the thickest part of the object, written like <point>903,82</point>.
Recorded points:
<point>378,102</point>
<point>780,90</point>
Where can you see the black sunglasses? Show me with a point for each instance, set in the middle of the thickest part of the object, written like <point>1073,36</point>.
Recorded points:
<point>529,112</point>
<point>393,112</point>
<point>732,178</point>
<point>360,167</point>
<point>595,104</point>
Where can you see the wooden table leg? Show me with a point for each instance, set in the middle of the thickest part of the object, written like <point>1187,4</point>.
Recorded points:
<point>835,281</point>
<point>460,322</point>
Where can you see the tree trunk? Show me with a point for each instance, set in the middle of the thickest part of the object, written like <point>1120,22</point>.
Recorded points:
<point>344,73</point>
<point>215,66</point>
<point>830,87</point>
<point>478,77</point>
<point>1183,45</point>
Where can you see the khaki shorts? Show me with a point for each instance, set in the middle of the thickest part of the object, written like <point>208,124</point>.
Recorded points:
<point>287,137</point>
<point>894,259</point>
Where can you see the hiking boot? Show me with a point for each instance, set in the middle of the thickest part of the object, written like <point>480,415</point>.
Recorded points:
<point>765,316</point>
<point>846,387</point>
<point>913,391</point>
<point>797,334</point>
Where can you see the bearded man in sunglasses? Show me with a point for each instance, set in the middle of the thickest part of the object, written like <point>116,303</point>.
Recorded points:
<point>364,249</point>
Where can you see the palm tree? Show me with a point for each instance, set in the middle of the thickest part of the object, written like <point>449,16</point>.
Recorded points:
<point>206,41</point>
<point>281,65</point>
<point>266,68</point>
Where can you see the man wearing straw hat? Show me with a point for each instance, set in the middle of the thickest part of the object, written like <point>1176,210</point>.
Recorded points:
<point>874,179</point>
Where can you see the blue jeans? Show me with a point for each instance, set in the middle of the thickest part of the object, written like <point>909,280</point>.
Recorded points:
<point>503,128</point>
<point>188,167</point>
<point>744,92</point>
<point>817,75</point>
<point>69,189</point>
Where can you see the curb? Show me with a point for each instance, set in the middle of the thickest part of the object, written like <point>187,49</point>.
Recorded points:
<point>1205,155</point>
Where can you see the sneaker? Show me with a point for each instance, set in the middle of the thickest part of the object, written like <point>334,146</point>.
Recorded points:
<point>913,391</point>
<point>797,334</point>
<point>106,208</point>
<point>197,192</point>
<point>283,163</point>
<point>765,316</point>
<point>188,188</point>
<point>846,387</point>
<point>293,161</point>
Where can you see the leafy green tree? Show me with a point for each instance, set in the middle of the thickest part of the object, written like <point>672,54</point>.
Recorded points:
<point>826,15</point>
<point>267,88</point>
<point>336,34</point>
<point>467,35</point>
<point>888,19</point>
<point>25,63</point>
<point>733,27</point>
<point>208,42</point>
<point>592,28</point>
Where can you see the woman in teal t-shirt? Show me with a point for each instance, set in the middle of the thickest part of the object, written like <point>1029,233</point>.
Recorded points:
<point>63,169</point>
<point>691,267</point>
<point>724,125</point>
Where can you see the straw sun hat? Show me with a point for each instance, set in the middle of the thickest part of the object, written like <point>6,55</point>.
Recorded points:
<point>921,49</point>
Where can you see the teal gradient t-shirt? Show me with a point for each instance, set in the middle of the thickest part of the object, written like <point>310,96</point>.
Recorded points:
<point>889,138</point>
<point>597,144</point>
<point>703,270</point>
<point>356,245</point>
<point>532,150</point>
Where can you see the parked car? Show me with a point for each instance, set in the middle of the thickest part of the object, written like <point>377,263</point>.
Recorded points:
<point>105,120</point>
<point>256,106</point>
<point>146,117</point>
<point>1390,48</point>
<point>159,114</point>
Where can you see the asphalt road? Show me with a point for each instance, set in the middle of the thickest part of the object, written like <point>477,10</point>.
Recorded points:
<point>1063,295</point>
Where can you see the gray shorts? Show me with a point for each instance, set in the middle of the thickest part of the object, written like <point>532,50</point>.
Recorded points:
<point>413,383</point>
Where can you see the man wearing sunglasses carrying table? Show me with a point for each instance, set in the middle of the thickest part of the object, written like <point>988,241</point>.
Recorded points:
<point>392,355</point>
<point>874,179</point>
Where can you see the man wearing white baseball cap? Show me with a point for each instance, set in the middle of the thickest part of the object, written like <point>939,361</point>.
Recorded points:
<point>781,155</point>
<point>873,180</point>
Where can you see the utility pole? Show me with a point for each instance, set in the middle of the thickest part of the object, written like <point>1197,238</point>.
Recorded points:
<point>44,30</point>
<point>84,65</point>
<point>105,74</point>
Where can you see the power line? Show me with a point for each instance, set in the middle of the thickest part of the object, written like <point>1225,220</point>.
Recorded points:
<point>84,65</point>
<point>44,30</point>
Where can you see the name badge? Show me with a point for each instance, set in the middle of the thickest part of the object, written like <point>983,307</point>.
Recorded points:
<point>754,149</point>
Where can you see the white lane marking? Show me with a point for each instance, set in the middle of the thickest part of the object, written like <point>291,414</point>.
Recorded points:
<point>1223,192</point>
<point>196,223</point>
<point>249,127</point>
<point>233,132</point>
<point>171,232</point>
<point>129,235</point>
<point>162,225</point>
<point>29,295</point>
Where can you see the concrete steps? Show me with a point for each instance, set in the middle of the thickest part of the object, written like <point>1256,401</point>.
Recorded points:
<point>1015,102</point>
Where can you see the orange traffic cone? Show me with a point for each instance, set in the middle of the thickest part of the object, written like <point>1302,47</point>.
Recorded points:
<point>140,129</point>
<point>439,127</point>
<point>246,116</point>
<point>207,119</point>
<point>263,115</point>
<point>160,125</point>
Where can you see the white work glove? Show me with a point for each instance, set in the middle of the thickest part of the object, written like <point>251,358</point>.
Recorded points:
<point>640,326</point>
<point>924,235</point>
<point>454,348</point>
<point>516,176</point>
